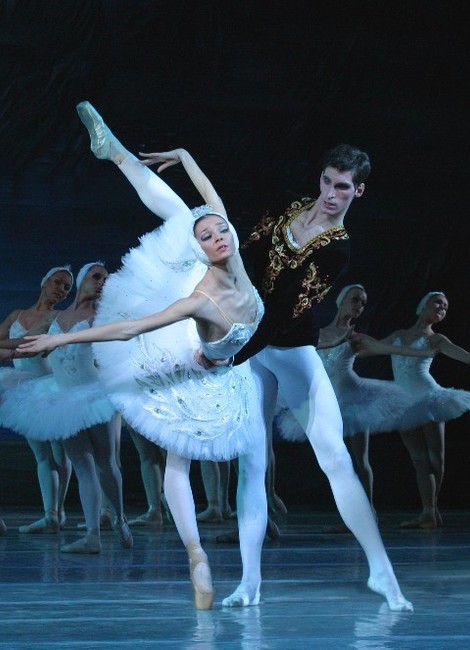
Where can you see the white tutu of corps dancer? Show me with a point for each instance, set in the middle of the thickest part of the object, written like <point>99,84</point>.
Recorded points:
<point>366,404</point>
<point>59,405</point>
<point>154,380</point>
<point>412,374</point>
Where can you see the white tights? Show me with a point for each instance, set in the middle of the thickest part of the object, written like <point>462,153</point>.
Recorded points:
<point>93,456</point>
<point>300,375</point>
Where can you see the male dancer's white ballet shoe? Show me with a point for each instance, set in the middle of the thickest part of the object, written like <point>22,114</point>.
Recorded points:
<point>201,578</point>
<point>150,519</point>
<point>104,144</point>
<point>48,524</point>
<point>123,532</point>
<point>90,544</point>
<point>3,528</point>
<point>395,599</point>
<point>242,598</point>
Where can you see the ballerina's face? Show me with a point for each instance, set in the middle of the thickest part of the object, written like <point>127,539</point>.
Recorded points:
<point>214,236</point>
<point>436,308</point>
<point>354,302</point>
<point>58,286</point>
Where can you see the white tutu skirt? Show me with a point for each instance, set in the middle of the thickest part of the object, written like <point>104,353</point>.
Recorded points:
<point>154,380</point>
<point>10,378</point>
<point>376,406</point>
<point>42,410</point>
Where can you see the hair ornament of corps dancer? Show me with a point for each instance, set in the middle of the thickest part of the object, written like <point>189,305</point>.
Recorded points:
<point>56,269</point>
<point>84,270</point>
<point>424,301</point>
<point>199,213</point>
<point>341,295</point>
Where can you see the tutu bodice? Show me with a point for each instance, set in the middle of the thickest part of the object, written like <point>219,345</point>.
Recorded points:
<point>38,364</point>
<point>413,373</point>
<point>72,364</point>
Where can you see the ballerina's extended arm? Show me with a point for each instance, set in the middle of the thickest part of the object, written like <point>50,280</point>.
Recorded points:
<point>197,176</point>
<point>118,331</point>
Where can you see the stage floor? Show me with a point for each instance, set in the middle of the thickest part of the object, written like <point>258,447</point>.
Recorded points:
<point>314,592</point>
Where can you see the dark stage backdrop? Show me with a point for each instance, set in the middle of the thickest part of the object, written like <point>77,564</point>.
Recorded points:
<point>256,91</point>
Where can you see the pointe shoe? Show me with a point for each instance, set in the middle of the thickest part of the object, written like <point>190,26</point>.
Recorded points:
<point>48,524</point>
<point>3,528</point>
<point>277,505</point>
<point>336,529</point>
<point>90,544</point>
<point>121,529</point>
<point>104,144</point>
<point>105,521</point>
<point>422,523</point>
<point>210,516</point>
<point>150,519</point>
<point>200,573</point>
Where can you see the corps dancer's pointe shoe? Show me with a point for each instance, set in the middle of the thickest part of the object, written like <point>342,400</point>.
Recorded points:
<point>3,528</point>
<point>48,524</point>
<point>90,544</point>
<point>106,521</point>
<point>121,529</point>
<point>104,144</point>
<point>150,519</point>
<point>201,578</point>
<point>212,515</point>
<point>424,522</point>
<point>272,531</point>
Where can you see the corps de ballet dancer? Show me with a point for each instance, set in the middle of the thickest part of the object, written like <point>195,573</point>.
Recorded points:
<point>426,443</point>
<point>71,405</point>
<point>54,468</point>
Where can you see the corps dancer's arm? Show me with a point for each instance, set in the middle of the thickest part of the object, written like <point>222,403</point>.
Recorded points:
<point>118,331</point>
<point>445,346</point>
<point>195,173</point>
<point>365,346</point>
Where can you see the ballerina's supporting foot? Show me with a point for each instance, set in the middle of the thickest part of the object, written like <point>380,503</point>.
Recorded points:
<point>48,524</point>
<point>391,592</point>
<point>89,544</point>
<point>201,578</point>
<point>243,596</point>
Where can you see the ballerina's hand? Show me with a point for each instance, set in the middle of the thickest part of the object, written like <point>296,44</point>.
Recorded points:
<point>36,344</point>
<point>167,158</point>
<point>363,343</point>
<point>210,364</point>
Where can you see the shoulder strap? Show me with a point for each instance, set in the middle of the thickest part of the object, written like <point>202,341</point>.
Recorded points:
<point>219,309</point>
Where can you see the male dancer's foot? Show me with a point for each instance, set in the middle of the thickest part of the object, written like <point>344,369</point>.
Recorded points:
<point>387,587</point>
<point>244,596</point>
<point>104,144</point>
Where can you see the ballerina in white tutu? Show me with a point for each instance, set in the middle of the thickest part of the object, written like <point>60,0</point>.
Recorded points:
<point>426,443</point>
<point>71,405</point>
<point>189,272</point>
<point>53,465</point>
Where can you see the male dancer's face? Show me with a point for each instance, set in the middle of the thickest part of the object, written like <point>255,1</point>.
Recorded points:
<point>337,191</point>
